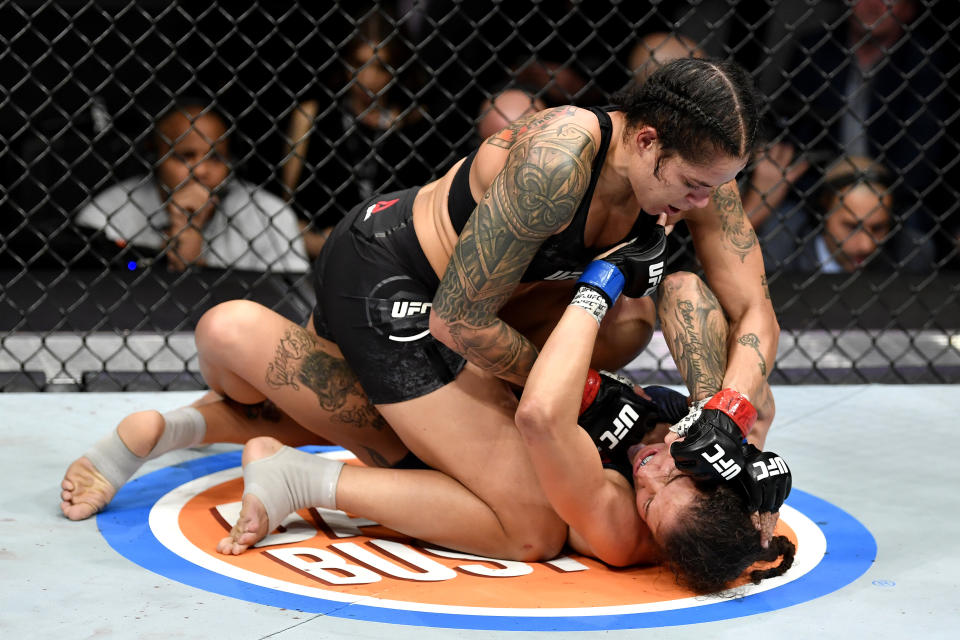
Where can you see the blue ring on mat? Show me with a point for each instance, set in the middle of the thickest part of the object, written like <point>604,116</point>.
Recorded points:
<point>851,549</point>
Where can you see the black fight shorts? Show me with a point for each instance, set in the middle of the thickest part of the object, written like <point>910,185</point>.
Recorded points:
<point>374,291</point>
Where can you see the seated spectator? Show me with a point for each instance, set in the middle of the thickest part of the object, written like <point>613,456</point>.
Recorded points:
<point>852,225</point>
<point>658,48</point>
<point>561,83</point>
<point>502,108</point>
<point>192,209</point>
<point>870,85</point>
<point>359,132</point>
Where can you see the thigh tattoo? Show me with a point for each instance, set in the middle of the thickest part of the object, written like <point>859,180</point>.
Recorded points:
<point>300,360</point>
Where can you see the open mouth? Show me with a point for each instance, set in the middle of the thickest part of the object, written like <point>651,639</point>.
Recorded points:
<point>643,457</point>
<point>672,210</point>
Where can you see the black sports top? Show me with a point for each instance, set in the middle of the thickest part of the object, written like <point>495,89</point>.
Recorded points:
<point>563,255</point>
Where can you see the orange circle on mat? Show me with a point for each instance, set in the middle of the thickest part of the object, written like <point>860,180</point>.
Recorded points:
<point>545,585</point>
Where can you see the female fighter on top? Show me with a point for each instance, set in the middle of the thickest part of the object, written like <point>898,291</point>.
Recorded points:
<point>694,501</point>
<point>483,253</point>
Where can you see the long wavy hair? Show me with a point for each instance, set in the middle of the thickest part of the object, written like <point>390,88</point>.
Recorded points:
<point>715,542</point>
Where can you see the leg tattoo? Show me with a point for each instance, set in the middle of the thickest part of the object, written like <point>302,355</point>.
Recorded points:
<point>300,360</point>
<point>700,334</point>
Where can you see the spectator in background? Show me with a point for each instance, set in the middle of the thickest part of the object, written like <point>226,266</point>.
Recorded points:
<point>871,87</point>
<point>502,108</point>
<point>852,225</point>
<point>656,49</point>
<point>361,132</point>
<point>561,83</point>
<point>192,209</point>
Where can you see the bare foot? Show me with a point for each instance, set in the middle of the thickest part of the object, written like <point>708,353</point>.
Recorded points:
<point>250,529</point>
<point>253,524</point>
<point>85,490</point>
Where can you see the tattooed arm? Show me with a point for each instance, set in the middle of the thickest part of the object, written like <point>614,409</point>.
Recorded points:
<point>546,173</point>
<point>727,248</point>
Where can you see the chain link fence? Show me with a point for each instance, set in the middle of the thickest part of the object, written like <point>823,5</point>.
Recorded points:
<point>263,122</point>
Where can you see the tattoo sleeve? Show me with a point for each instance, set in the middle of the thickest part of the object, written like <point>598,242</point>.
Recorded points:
<point>506,138</point>
<point>738,234</point>
<point>533,197</point>
<point>696,333</point>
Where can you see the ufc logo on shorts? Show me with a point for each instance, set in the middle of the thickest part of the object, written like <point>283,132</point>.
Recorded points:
<point>728,469</point>
<point>773,467</point>
<point>404,308</point>
<point>627,418</point>
<point>655,272</point>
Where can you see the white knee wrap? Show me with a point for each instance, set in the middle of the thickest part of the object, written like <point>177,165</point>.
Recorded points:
<point>290,480</point>
<point>182,428</point>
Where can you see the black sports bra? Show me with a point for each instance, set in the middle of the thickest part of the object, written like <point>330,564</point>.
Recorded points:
<point>563,255</point>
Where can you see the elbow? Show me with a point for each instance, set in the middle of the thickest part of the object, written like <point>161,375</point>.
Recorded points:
<point>535,417</point>
<point>440,329</point>
<point>774,323</point>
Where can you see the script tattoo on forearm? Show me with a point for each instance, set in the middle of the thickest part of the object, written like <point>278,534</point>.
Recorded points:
<point>300,360</point>
<point>535,195</point>
<point>700,335</point>
<point>751,340</point>
<point>766,288</point>
<point>738,234</point>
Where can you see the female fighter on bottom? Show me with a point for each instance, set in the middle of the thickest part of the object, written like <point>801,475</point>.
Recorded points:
<point>625,502</point>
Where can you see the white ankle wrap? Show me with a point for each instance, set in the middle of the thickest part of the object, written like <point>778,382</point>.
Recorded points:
<point>290,480</point>
<point>182,428</point>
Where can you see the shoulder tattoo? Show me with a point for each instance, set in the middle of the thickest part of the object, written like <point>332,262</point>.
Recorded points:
<point>509,135</point>
<point>534,196</point>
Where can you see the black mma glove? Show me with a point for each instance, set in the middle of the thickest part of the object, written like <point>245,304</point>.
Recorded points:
<point>634,269</point>
<point>771,479</point>
<point>710,453</point>
<point>714,449</point>
<point>641,263</point>
<point>612,410</point>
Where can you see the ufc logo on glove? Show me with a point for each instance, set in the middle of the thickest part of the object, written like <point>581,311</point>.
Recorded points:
<point>728,469</point>
<point>622,423</point>
<point>656,274</point>
<point>774,467</point>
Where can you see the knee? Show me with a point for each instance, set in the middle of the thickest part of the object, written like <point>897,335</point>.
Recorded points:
<point>226,325</point>
<point>681,280</point>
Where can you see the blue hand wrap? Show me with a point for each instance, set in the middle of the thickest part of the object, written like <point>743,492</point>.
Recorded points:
<point>605,277</point>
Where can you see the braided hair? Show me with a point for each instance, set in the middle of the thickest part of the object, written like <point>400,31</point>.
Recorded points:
<point>715,542</point>
<point>699,108</point>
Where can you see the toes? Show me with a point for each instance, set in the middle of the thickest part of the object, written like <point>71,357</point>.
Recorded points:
<point>78,511</point>
<point>228,546</point>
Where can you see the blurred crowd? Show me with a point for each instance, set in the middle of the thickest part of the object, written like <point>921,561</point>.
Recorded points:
<point>252,171</point>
